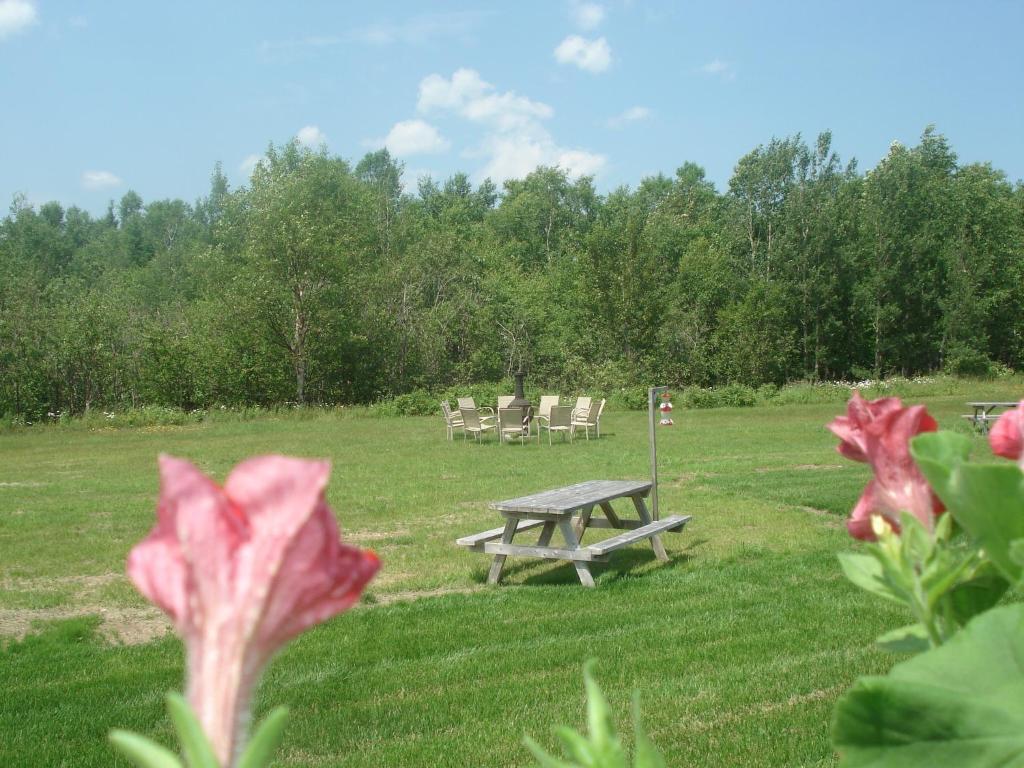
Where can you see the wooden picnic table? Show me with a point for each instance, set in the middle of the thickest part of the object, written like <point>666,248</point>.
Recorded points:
<point>557,508</point>
<point>984,412</point>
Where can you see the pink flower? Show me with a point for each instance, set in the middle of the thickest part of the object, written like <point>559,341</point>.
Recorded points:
<point>1007,436</point>
<point>860,413</point>
<point>241,570</point>
<point>879,432</point>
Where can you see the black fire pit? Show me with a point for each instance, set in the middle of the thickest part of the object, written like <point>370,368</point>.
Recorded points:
<point>520,401</point>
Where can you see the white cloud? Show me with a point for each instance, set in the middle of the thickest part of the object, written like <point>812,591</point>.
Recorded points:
<point>16,16</point>
<point>311,136</point>
<point>472,97</point>
<point>248,165</point>
<point>590,55</point>
<point>515,141</point>
<point>631,115</point>
<point>414,137</point>
<point>100,180</point>
<point>438,93</point>
<point>718,68</point>
<point>586,16</point>
<point>420,29</point>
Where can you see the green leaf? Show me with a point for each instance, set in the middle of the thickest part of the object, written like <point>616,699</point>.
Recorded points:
<point>194,744</point>
<point>988,501</point>
<point>599,717</point>
<point>579,748</point>
<point>144,752</point>
<point>867,573</point>
<point>646,756</point>
<point>978,594</point>
<point>912,638</point>
<point>957,706</point>
<point>266,740</point>
<point>936,454</point>
<point>1017,551</point>
<point>546,760</point>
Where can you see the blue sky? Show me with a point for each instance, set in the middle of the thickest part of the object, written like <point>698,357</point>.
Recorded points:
<point>102,97</point>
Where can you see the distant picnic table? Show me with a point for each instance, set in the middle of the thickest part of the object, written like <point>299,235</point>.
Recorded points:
<point>986,412</point>
<point>557,508</point>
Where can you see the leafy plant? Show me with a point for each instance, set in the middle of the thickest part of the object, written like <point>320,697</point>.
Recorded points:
<point>602,747</point>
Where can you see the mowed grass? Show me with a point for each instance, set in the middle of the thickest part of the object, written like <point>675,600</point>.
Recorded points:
<point>739,645</point>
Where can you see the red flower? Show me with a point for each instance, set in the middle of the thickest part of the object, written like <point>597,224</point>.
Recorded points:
<point>241,570</point>
<point>1007,436</point>
<point>879,432</point>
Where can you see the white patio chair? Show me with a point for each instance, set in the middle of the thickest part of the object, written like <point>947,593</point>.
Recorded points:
<point>452,420</point>
<point>559,420</point>
<point>591,418</point>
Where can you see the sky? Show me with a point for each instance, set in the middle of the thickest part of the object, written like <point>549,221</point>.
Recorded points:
<point>97,98</point>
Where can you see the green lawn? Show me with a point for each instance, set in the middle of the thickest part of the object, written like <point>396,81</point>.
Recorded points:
<point>739,646</point>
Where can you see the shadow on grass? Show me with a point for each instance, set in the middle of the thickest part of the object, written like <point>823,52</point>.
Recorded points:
<point>541,572</point>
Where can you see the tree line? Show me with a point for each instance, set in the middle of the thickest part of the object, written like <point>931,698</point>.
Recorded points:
<point>324,282</point>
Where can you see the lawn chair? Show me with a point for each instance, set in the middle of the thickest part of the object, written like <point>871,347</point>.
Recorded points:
<point>581,409</point>
<point>544,411</point>
<point>473,424</point>
<point>469,402</point>
<point>504,401</point>
<point>592,418</point>
<point>511,424</point>
<point>559,420</point>
<point>452,420</point>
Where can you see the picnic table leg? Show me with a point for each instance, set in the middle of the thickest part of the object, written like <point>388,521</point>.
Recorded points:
<point>545,534</point>
<point>499,560</point>
<point>583,521</point>
<point>609,513</point>
<point>582,566</point>
<point>645,517</point>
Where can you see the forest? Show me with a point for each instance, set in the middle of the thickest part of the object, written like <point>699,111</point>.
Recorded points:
<point>324,282</point>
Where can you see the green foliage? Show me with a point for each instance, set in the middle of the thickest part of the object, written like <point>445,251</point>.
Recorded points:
<point>602,747</point>
<point>986,499</point>
<point>320,283</point>
<point>958,706</point>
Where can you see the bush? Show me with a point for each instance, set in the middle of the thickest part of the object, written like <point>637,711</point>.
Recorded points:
<point>969,362</point>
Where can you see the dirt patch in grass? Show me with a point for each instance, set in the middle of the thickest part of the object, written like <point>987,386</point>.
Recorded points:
<point>84,585</point>
<point>830,519</point>
<point>121,626</point>
<point>804,467</point>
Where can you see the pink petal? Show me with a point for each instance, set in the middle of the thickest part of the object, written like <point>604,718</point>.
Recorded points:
<point>900,486</point>
<point>1007,436</point>
<point>859,414</point>
<point>210,530</point>
<point>859,524</point>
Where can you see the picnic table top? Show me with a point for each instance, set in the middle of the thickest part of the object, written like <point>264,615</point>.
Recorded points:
<point>987,403</point>
<point>573,497</point>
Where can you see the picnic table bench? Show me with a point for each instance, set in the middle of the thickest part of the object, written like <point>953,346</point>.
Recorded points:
<point>985,412</point>
<point>570,510</point>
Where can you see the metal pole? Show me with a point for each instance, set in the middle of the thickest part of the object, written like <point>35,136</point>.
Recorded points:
<point>652,393</point>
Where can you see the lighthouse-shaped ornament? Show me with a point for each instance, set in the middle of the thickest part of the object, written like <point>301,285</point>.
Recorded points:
<point>666,410</point>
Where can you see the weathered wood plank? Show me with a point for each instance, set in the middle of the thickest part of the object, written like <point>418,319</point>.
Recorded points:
<point>674,522</point>
<point>548,553</point>
<point>581,566</point>
<point>574,497</point>
<point>643,514</point>
<point>580,526</point>
<point>606,507</point>
<point>545,535</point>
<point>499,560</point>
<point>495,533</point>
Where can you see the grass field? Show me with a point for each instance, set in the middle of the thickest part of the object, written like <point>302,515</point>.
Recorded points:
<point>739,645</point>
